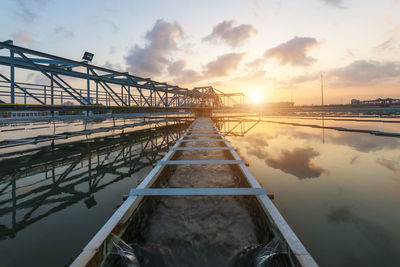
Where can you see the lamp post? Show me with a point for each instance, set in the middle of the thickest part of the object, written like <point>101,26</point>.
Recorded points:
<point>88,57</point>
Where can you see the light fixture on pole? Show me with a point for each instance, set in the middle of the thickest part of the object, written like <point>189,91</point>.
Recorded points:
<point>88,56</point>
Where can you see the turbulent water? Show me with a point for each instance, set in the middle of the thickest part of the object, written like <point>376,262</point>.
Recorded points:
<point>199,230</point>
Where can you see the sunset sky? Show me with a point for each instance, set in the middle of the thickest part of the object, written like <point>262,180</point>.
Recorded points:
<point>270,50</point>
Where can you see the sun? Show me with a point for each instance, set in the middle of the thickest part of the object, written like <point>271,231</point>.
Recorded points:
<point>255,97</point>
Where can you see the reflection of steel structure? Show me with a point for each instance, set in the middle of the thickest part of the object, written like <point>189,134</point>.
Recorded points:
<point>235,126</point>
<point>52,137</point>
<point>84,164</point>
<point>97,85</point>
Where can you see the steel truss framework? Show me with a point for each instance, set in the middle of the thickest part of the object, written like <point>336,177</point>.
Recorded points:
<point>65,135</point>
<point>235,126</point>
<point>229,99</point>
<point>104,86</point>
<point>58,188</point>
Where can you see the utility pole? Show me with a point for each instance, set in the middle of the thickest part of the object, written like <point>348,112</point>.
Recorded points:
<point>322,89</point>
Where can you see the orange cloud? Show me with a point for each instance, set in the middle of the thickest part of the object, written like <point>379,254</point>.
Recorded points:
<point>294,51</point>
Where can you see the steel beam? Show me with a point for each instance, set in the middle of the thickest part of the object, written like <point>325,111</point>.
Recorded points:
<point>197,192</point>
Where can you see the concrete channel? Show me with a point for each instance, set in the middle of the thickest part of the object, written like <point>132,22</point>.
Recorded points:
<point>199,206</point>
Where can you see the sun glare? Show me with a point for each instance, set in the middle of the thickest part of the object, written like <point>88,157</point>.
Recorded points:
<point>256,97</point>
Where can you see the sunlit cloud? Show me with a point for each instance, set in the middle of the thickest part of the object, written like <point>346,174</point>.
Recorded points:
<point>364,73</point>
<point>293,52</point>
<point>304,78</point>
<point>182,75</point>
<point>296,81</point>
<point>23,37</point>
<point>223,65</point>
<point>385,45</point>
<point>231,35</point>
<point>153,58</point>
<point>220,67</point>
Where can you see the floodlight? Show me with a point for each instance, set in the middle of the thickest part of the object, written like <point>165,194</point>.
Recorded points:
<point>88,56</point>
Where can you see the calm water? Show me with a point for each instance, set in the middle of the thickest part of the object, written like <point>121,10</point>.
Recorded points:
<point>52,202</point>
<point>339,191</point>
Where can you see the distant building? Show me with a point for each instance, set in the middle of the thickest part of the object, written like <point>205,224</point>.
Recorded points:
<point>69,103</point>
<point>383,102</point>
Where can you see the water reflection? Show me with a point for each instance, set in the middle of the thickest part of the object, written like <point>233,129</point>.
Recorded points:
<point>390,164</point>
<point>354,160</point>
<point>235,126</point>
<point>377,236</point>
<point>297,162</point>
<point>350,215</point>
<point>374,232</point>
<point>40,184</point>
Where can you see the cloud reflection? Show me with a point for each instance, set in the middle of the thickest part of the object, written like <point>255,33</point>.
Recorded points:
<point>359,141</point>
<point>392,165</point>
<point>297,162</point>
<point>376,234</point>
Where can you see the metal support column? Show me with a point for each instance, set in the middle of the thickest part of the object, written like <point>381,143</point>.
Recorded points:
<point>129,95</point>
<point>122,94</point>
<point>12,77</point>
<point>97,92</point>
<point>52,90</point>
<point>88,85</point>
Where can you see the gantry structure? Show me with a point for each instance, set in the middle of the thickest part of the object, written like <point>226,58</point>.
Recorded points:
<point>68,82</point>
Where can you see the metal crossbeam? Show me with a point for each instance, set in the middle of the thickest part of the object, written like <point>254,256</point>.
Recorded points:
<point>210,131</point>
<point>190,148</point>
<point>203,140</point>
<point>198,192</point>
<point>197,162</point>
<point>202,129</point>
<point>201,135</point>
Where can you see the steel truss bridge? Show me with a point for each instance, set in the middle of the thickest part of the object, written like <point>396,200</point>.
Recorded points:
<point>71,84</point>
